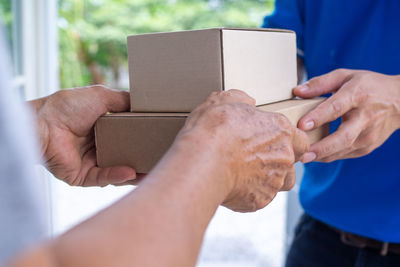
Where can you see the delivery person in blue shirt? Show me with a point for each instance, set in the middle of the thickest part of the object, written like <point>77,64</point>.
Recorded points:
<point>351,189</point>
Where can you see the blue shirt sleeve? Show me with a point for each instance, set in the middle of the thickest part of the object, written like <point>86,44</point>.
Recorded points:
<point>288,14</point>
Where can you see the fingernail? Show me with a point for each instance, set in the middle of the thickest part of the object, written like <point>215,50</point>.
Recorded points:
<point>308,125</point>
<point>308,157</point>
<point>132,175</point>
<point>302,88</point>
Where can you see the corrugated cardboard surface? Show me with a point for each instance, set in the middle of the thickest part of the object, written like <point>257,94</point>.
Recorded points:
<point>137,141</point>
<point>176,71</point>
<point>173,72</point>
<point>140,140</point>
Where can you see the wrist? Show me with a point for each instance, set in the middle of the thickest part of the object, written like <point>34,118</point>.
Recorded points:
<point>42,130</point>
<point>198,155</point>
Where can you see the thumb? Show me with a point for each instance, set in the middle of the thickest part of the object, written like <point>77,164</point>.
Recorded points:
<point>112,175</point>
<point>114,100</point>
<point>323,84</point>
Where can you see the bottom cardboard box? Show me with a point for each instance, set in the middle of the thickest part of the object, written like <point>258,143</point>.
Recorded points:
<point>140,140</point>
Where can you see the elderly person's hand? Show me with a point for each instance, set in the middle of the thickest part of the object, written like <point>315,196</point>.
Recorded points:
<point>65,123</point>
<point>227,153</point>
<point>258,149</point>
<point>367,102</point>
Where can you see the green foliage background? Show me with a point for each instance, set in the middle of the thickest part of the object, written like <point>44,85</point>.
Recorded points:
<point>6,16</point>
<point>92,33</point>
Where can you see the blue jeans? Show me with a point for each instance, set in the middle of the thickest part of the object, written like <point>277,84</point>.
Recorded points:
<point>317,245</point>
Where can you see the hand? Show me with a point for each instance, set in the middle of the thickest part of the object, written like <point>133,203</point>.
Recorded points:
<point>369,104</point>
<point>258,148</point>
<point>65,124</point>
<point>226,150</point>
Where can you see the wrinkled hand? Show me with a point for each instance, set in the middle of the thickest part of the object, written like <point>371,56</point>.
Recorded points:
<point>367,102</point>
<point>258,148</point>
<point>65,124</point>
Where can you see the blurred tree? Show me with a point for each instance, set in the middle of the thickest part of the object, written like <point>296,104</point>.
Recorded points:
<point>6,16</point>
<point>93,32</point>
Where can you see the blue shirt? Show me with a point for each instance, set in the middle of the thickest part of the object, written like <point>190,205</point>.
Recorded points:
<point>360,195</point>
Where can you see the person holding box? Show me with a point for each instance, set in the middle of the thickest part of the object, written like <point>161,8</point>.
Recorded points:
<point>350,190</point>
<point>227,153</point>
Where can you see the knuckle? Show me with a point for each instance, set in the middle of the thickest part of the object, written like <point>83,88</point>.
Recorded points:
<point>62,93</point>
<point>316,82</point>
<point>360,95</point>
<point>367,150</point>
<point>213,96</point>
<point>259,204</point>
<point>369,139</point>
<point>226,93</point>
<point>235,92</point>
<point>99,86</point>
<point>262,202</point>
<point>282,120</point>
<point>220,114</point>
<point>289,184</point>
<point>240,95</point>
<point>280,183</point>
<point>337,106</point>
<point>349,138</point>
<point>341,71</point>
<point>325,150</point>
<point>97,89</point>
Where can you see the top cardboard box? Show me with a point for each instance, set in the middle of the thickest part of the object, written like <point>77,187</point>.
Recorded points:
<point>176,71</point>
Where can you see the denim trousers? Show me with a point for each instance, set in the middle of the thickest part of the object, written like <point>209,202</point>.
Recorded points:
<point>317,245</point>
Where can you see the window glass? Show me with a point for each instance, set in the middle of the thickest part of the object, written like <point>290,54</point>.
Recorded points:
<point>10,17</point>
<point>6,17</point>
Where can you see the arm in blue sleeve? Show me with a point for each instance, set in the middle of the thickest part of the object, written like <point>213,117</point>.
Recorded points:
<point>288,14</point>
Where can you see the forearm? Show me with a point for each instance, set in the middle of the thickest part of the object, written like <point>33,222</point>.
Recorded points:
<point>162,223</point>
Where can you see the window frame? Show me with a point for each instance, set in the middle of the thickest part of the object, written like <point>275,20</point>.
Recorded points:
<point>35,64</point>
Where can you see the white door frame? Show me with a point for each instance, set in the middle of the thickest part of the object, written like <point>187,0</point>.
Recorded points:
<point>40,47</point>
<point>40,76</point>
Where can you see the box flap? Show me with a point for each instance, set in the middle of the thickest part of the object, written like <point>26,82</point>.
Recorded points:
<point>259,30</point>
<point>219,29</point>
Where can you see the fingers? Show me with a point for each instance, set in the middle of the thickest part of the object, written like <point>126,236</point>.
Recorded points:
<point>224,97</point>
<point>235,95</point>
<point>113,100</point>
<point>290,180</point>
<point>341,140</point>
<point>218,98</point>
<point>112,175</point>
<point>323,84</point>
<point>329,110</point>
<point>139,178</point>
<point>300,143</point>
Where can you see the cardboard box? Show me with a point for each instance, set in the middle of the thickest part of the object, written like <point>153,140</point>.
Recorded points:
<point>176,71</point>
<point>141,139</point>
<point>295,109</point>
